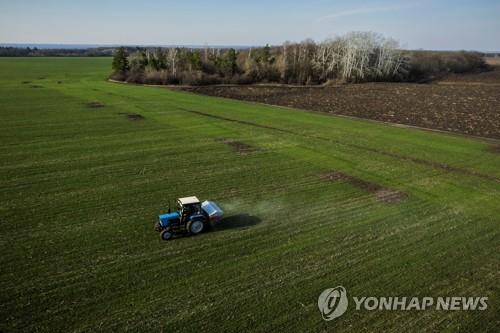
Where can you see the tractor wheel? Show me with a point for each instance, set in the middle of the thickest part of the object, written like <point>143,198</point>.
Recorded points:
<point>166,235</point>
<point>195,227</point>
<point>157,226</point>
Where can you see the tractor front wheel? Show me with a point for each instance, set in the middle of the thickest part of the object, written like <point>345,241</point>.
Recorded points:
<point>166,235</point>
<point>196,227</point>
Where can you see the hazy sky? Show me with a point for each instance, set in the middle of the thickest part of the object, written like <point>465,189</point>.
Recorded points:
<point>429,24</point>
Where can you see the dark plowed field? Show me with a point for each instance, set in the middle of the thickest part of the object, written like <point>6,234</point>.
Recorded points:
<point>464,104</point>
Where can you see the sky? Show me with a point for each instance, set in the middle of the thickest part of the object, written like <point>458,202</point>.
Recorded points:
<point>416,24</point>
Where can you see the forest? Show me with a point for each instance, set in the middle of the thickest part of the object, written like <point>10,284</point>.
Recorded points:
<point>353,57</point>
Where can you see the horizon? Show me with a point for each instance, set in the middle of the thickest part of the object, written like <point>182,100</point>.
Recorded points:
<point>69,46</point>
<point>425,24</point>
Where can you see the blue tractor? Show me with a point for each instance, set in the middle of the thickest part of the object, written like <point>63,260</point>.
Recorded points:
<point>192,217</point>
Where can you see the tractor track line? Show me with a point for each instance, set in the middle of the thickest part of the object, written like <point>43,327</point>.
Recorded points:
<point>436,165</point>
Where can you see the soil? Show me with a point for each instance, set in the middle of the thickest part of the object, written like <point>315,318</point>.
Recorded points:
<point>390,196</point>
<point>467,104</point>
<point>381,193</point>
<point>135,116</point>
<point>94,105</point>
<point>239,147</point>
<point>132,116</point>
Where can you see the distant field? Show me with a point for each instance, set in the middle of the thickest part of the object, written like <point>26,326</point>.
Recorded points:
<point>314,201</point>
<point>493,61</point>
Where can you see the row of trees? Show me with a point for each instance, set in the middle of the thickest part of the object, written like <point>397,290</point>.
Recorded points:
<point>177,65</point>
<point>354,57</point>
<point>36,52</point>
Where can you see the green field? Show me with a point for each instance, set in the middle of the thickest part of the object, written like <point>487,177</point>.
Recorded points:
<point>81,187</point>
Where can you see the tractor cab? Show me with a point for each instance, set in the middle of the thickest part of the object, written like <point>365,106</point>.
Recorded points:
<point>188,207</point>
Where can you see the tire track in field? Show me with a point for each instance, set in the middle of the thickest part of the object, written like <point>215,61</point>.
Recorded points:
<point>432,164</point>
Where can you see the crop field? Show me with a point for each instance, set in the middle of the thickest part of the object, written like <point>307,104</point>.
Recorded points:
<point>312,201</point>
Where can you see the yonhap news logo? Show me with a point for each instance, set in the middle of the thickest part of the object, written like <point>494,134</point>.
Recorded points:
<point>333,303</point>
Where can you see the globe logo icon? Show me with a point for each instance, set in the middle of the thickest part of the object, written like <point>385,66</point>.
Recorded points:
<point>332,302</point>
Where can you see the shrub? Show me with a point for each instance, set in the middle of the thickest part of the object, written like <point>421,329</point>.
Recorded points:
<point>198,78</point>
<point>118,76</point>
<point>464,62</point>
<point>135,77</point>
<point>241,79</point>
<point>154,77</point>
<point>428,65</point>
<point>208,79</point>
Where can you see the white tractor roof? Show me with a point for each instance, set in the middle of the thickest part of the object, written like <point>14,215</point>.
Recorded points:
<point>189,200</point>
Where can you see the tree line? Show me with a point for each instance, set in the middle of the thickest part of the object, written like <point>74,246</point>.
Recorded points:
<point>354,57</point>
<point>9,51</point>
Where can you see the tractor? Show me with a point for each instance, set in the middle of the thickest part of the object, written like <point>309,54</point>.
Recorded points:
<point>191,217</point>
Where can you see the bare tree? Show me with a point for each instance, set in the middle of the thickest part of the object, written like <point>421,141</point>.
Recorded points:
<point>172,60</point>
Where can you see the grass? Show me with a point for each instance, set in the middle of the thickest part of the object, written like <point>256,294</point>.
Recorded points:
<point>82,185</point>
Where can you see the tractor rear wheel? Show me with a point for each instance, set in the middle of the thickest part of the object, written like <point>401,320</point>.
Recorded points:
<point>196,227</point>
<point>166,235</point>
